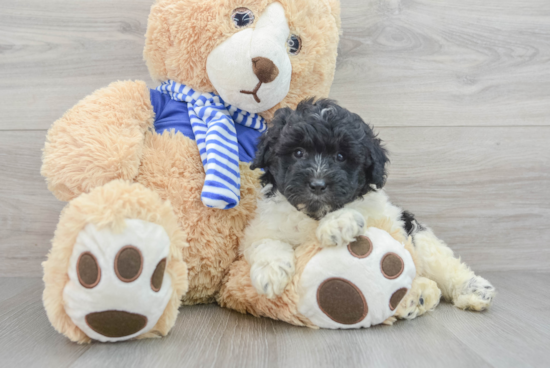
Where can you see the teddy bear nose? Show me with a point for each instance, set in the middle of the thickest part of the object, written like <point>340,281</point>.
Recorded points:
<point>265,69</point>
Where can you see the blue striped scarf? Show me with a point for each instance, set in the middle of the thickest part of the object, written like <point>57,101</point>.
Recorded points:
<point>213,123</point>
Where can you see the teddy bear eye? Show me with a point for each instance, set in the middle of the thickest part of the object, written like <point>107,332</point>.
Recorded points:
<point>242,17</point>
<point>340,157</point>
<point>294,44</point>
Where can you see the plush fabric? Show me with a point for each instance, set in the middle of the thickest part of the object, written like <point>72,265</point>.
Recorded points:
<point>181,34</point>
<point>125,278</point>
<point>105,157</point>
<point>100,139</point>
<point>238,293</point>
<point>108,207</point>
<point>171,167</point>
<point>172,116</point>
<point>367,275</point>
<point>214,126</point>
<point>252,69</point>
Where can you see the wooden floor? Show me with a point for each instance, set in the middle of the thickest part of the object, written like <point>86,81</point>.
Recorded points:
<point>458,90</point>
<point>515,333</point>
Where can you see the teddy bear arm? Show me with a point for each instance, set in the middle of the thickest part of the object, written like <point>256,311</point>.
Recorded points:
<point>100,139</point>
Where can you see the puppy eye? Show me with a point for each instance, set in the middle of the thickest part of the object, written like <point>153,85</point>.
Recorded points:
<point>298,153</point>
<point>294,44</point>
<point>242,17</point>
<point>340,157</point>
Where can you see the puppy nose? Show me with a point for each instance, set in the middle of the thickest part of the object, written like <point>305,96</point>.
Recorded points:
<point>317,186</point>
<point>264,69</point>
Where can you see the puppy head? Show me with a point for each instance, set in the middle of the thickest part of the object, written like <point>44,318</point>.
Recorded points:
<point>320,157</point>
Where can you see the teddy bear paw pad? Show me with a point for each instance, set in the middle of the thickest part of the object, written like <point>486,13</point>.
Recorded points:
<point>358,285</point>
<point>118,288</point>
<point>342,301</point>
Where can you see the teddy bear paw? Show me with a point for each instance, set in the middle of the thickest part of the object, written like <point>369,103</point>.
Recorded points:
<point>271,278</point>
<point>357,285</point>
<point>340,227</point>
<point>476,295</point>
<point>118,288</point>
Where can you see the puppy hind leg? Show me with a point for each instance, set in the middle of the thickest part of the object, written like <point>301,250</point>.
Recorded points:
<point>458,283</point>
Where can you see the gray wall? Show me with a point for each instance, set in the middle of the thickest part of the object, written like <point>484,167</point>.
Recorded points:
<point>459,90</point>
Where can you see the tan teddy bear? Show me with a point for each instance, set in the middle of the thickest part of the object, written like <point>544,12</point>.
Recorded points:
<point>158,181</point>
<point>121,152</point>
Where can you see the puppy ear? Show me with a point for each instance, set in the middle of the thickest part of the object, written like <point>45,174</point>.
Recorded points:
<point>264,154</point>
<point>376,172</point>
<point>375,166</point>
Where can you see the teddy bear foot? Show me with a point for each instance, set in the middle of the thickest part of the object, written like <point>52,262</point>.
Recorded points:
<point>118,287</point>
<point>356,285</point>
<point>115,270</point>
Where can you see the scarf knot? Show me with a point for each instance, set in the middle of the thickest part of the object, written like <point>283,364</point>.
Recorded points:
<point>213,123</point>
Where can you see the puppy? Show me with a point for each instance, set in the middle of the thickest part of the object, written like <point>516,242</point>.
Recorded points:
<point>323,173</point>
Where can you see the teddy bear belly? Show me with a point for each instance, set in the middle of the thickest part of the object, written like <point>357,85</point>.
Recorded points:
<point>171,166</point>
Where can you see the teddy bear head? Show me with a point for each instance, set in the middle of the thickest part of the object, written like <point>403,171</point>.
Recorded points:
<point>258,55</point>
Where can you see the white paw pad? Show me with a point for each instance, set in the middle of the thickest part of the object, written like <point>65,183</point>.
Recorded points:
<point>356,286</point>
<point>118,287</point>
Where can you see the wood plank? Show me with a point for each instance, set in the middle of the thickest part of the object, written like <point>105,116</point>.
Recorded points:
<point>404,63</point>
<point>516,331</point>
<point>13,286</point>
<point>26,337</point>
<point>54,53</point>
<point>28,211</point>
<point>483,190</point>
<point>440,63</point>
<point>208,336</point>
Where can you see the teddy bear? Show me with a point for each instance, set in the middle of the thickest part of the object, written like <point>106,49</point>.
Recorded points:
<point>159,185</point>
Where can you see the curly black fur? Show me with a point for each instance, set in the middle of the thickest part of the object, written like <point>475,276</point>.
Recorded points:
<point>320,142</point>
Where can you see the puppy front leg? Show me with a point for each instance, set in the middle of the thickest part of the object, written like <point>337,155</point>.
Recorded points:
<point>271,266</point>
<point>340,227</point>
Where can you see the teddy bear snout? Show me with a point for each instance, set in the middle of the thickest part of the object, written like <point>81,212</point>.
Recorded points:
<point>265,69</point>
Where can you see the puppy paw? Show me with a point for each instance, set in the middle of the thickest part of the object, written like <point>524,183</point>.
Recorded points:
<point>271,278</point>
<point>340,227</point>
<point>423,297</point>
<point>476,295</point>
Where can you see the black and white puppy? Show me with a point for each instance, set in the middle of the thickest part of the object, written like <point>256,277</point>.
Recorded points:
<point>323,172</point>
<point>320,157</point>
